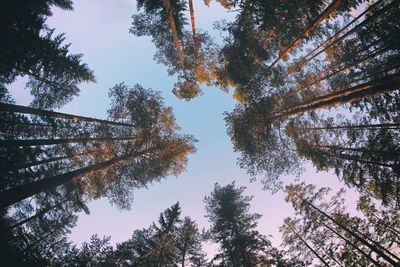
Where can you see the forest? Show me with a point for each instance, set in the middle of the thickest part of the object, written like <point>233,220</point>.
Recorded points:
<point>313,120</point>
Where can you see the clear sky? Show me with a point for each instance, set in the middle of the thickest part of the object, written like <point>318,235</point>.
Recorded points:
<point>100,30</point>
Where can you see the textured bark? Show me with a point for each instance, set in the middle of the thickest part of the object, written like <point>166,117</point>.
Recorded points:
<point>45,113</point>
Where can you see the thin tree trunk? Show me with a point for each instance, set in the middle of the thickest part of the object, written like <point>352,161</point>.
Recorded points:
<point>18,193</point>
<point>40,112</point>
<point>194,36</point>
<point>391,126</point>
<point>355,93</point>
<point>355,235</point>
<point>331,8</point>
<point>40,213</point>
<point>308,246</point>
<point>358,26</point>
<point>337,72</point>
<point>355,149</point>
<point>30,246</point>
<point>304,59</point>
<point>192,20</point>
<point>40,78</point>
<point>8,167</point>
<point>352,244</point>
<point>183,256</point>
<point>352,158</point>
<point>44,142</point>
<point>172,25</point>
<point>268,36</point>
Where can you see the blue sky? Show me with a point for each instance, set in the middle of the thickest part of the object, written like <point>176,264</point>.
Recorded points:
<point>100,30</point>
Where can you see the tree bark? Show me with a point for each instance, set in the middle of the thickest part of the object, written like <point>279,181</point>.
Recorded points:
<point>40,112</point>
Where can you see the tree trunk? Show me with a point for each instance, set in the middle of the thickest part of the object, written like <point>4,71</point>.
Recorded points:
<point>355,235</point>
<point>40,213</point>
<point>305,59</point>
<point>8,167</point>
<point>392,126</point>
<point>355,149</point>
<point>331,8</point>
<point>172,25</point>
<point>43,113</point>
<point>268,36</point>
<point>352,244</point>
<point>355,93</point>
<point>356,159</point>
<point>18,193</point>
<point>358,26</point>
<point>308,246</point>
<point>337,72</point>
<point>45,142</point>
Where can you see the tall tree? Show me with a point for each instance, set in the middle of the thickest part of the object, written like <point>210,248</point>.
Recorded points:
<point>30,49</point>
<point>234,228</point>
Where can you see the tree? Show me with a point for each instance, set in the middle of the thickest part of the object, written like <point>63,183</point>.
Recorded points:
<point>97,252</point>
<point>30,49</point>
<point>189,244</point>
<point>51,172</point>
<point>189,55</point>
<point>233,227</point>
<point>171,242</point>
<point>155,147</point>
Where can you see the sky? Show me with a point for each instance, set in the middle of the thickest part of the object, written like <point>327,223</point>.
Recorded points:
<point>99,29</point>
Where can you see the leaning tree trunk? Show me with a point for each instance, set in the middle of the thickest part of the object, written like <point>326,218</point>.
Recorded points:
<point>38,214</point>
<point>9,168</point>
<point>391,126</point>
<point>337,72</point>
<point>172,25</point>
<point>45,113</point>
<point>18,193</point>
<point>308,246</point>
<point>357,27</point>
<point>352,244</point>
<point>372,88</point>
<point>354,234</point>
<point>45,142</point>
<point>330,9</point>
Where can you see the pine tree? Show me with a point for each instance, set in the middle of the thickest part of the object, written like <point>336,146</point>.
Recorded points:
<point>233,227</point>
